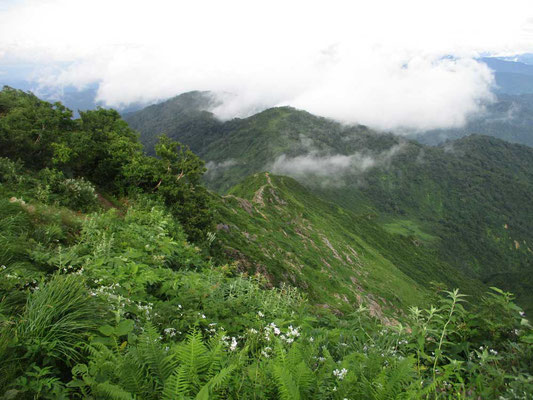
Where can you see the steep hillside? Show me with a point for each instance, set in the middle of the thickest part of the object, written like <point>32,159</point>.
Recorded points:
<point>275,226</point>
<point>471,194</point>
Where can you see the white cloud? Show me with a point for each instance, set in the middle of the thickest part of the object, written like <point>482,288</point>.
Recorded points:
<point>378,63</point>
<point>334,166</point>
<point>215,169</point>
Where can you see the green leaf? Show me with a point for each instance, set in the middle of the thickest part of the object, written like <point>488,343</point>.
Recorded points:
<point>124,327</point>
<point>107,330</point>
<point>527,339</point>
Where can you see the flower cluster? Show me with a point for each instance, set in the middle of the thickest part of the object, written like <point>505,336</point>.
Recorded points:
<point>272,330</point>
<point>340,373</point>
<point>231,345</point>
<point>171,332</point>
<point>266,352</point>
<point>292,333</point>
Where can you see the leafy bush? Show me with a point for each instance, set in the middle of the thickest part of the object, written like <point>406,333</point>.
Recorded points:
<point>10,171</point>
<point>77,194</point>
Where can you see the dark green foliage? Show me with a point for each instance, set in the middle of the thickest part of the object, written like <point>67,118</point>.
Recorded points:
<point>175,175</point>
<point>99,150</point>
<point>29,127</point>
<point>102,149</point>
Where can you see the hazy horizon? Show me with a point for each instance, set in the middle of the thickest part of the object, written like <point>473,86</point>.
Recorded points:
<point>387,65</point>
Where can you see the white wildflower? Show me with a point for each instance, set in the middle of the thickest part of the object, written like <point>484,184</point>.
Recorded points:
<point>293,332</point>
<point>340,374</point>
<point>233,345</point>
<point>170,332</point>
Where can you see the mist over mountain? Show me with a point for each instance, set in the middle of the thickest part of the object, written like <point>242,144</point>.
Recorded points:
<point>464,198</point>
<point>509,117</point>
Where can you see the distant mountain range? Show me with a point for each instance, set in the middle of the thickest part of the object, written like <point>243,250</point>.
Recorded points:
<point>466,201</point>
<point>510,118</point>
<point>512,77</point>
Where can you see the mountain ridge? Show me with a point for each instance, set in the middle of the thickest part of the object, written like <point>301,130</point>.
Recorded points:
<point>461,192</point>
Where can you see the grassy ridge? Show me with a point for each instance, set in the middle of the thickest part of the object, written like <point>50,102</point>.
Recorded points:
<point>281,228</point>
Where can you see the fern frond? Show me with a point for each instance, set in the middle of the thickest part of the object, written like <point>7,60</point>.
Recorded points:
<point>156,361</point>
<point>176,386</point>
<point>287,388</point>
<point>215,383</point>
<point>193,357</point>
<point>114,392</point>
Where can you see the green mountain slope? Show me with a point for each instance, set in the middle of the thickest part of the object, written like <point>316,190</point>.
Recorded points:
<point>276,227</point>
<point>184,115</point>
<point>467,200</point>
<point>240,147</point>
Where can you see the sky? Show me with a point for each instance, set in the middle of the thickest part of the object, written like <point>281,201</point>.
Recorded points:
<point>391,65</point>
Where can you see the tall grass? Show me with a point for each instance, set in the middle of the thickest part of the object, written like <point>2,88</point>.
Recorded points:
<point>56,321</point>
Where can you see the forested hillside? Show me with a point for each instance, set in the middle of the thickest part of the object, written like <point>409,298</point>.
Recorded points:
<point>123,277</point>
<point>466,199</point>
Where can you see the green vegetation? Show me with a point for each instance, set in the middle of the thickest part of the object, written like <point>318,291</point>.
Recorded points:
<point>466,200</point>
<point>100,147</point>
<point>115,289</point>
<point>276,227</point>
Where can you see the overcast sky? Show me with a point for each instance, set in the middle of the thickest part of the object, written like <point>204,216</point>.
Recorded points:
<point>387,64</point>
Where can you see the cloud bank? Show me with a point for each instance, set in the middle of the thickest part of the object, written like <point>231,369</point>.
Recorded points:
<point>216,169</point>
<point>335,167</point>
<point>387,64</point>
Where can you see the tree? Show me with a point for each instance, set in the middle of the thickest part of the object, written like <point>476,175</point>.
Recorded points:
<point>29,127</point>
<point>175,175</point>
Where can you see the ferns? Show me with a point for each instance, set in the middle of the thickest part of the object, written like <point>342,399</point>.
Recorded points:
<point>146,369</point>
<point>199,371</point>
<point>287,387</point>
<point>391,383</point>
<point>111,391</point>
<point>293,377</point>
